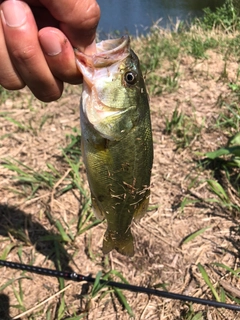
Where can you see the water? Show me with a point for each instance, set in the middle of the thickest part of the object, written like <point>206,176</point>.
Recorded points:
<point>137,16</point>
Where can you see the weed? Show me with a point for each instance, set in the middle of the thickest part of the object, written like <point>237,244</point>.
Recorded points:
<point>174,122</point>
<point>233,45</point>
<point>218,190</point>
<point>7,250</point>
<point>190,314</point>
<point>6,94</point>
<point>20,125</point>
<point>158,50</point>
<point>208,282</point>
<point>197,46</point>
<point>182,128</point>
<point>227,290</point>
<point>235,273</point>
<point>21,235</point>
<point>43,120</point>
<point>194,235</point>
<point>158,84</point>
<point>35,180</point>
<point>73,149</point>
<point>100,290</point>
<point>226,161</point>
<point>225,17</point>
<point>86,219</point>
<point>229,118</point>
<point>235,87</point>
<point>19,296</point>
<point>160,56</point>
<point>27,176</point>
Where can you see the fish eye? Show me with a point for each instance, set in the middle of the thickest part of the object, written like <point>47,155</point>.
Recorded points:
<point>130,77</point>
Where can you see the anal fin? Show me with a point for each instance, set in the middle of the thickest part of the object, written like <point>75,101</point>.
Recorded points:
<point>96,210</point>
<point>142,208</point>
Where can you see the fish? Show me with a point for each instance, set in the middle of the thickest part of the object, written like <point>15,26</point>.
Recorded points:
<point>116,139</point>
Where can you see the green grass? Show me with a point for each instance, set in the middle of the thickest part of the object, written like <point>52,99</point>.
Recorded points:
<point>208,282</point>
<point>226,17</point>
<point>157,50</point>
<point>160,57</point>
<point>6,94</point>
<point>194,235</point>
<point>228,118</point>
<point>182,128</point>
<point>30,126</point>
<point>101,291</point>
<point>31,181</point>
<point>226,161</point>
<point>219,293</point>
<point>190,314</point>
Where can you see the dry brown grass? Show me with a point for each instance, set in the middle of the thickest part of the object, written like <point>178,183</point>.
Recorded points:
<point>160,257</point>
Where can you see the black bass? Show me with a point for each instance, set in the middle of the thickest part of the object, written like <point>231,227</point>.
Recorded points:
<point>116,138</point>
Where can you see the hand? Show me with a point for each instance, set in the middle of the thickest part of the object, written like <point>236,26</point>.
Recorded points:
<point>36,43</point>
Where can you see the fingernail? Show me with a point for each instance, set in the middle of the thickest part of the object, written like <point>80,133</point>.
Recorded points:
<point>51,43</point>
<point>14,13</point>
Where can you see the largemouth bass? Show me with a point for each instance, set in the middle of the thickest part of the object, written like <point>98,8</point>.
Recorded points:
<point>116,138</point>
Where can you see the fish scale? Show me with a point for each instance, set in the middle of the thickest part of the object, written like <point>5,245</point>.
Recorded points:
<point>116,139</point>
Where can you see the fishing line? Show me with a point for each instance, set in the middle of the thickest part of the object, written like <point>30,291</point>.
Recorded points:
<point>78,278</point>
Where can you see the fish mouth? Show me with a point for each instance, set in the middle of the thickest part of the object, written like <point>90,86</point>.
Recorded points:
<point>108,52</point>
<point>99,72</point>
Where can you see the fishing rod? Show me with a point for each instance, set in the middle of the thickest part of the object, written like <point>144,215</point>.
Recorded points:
<point>79,278</point>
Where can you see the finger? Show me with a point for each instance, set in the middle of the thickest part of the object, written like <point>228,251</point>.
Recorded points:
<point>43,17</point>
<point>78,20</point>
<point>21,36</point>
<point>9,77</point>
<point>59,55</point>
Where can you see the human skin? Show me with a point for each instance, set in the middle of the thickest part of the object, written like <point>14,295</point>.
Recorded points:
<point>37,38</point>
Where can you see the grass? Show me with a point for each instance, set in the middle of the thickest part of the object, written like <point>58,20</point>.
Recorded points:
<point>221,292</point>
<point>182,128</point>
<point>226,17</point>
<point>100,291</point>
<point>61,233</point>
<point>194,40</point>
<point>31,181</point>
<point>228,118</point>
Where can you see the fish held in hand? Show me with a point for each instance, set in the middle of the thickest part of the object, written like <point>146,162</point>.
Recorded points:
<point>116,138</point>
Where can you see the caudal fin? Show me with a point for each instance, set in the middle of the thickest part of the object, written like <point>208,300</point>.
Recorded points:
<point>124,245</point>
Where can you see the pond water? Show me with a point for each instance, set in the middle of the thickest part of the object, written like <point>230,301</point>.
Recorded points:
<point>137,16</point>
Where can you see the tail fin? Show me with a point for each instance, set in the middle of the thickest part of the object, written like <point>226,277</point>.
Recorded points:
<point>124,245</point>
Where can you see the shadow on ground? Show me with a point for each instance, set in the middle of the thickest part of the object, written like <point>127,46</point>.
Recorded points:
<point>22,227</point>
<point>4,307</point>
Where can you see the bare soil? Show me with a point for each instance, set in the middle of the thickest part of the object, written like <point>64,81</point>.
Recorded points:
<point>161,257</point>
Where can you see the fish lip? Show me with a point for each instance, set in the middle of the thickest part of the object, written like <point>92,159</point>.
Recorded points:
<point>121,44</point>
<point>108,52</point>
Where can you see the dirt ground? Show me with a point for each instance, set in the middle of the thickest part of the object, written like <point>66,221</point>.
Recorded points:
<point>161,257</point>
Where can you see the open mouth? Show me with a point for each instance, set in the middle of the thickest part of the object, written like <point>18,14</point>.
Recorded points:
<point>108,52</point>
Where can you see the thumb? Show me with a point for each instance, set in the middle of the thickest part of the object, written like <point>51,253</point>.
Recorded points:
<point>78,19</point>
